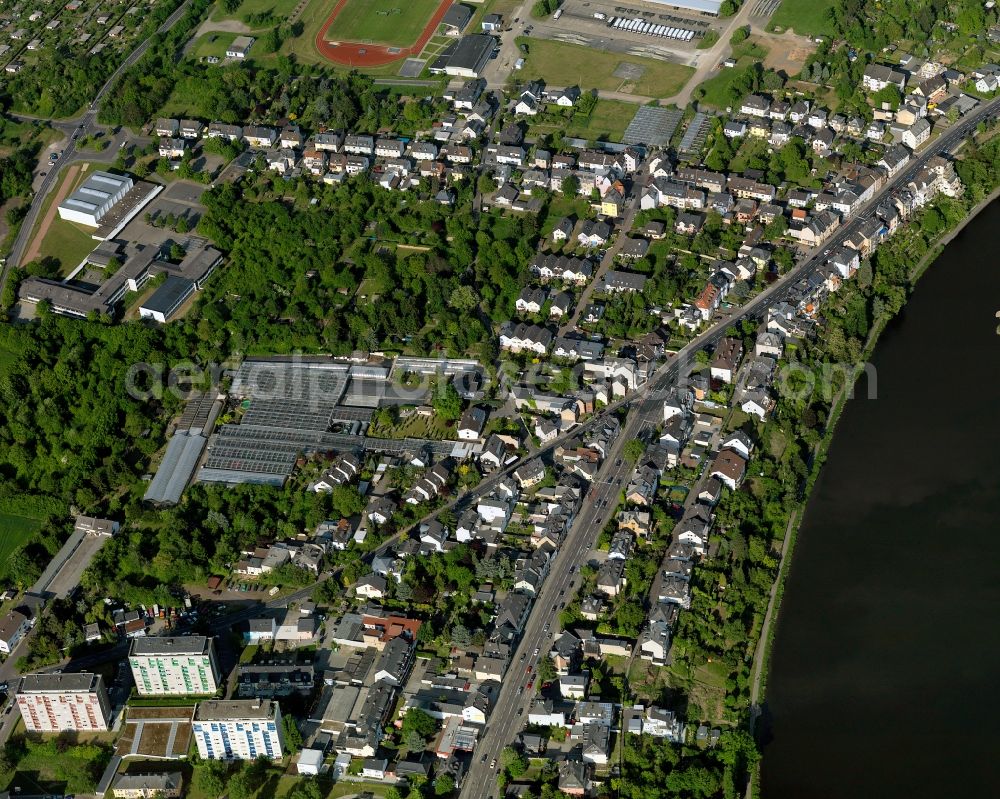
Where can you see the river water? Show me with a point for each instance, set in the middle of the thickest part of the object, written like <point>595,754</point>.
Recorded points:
<point>886,662</point>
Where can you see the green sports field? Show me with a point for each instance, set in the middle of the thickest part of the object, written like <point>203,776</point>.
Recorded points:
<point>395,23</point>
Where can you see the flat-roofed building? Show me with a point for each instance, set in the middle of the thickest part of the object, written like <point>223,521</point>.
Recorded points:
<point>238,729</point>
<point>94,198</point>
<point>176,665</point>
<point>63,702</point>
<point>167,298</point>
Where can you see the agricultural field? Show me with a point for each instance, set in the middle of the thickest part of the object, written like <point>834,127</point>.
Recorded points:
<point>390,22</point>
<point>805,17</point>
<point>561,64</point>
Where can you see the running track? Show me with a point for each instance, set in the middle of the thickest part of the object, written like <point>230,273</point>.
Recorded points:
<point>354,54</point>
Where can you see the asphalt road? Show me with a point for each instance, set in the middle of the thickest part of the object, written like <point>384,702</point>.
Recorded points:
<point>508,714</point>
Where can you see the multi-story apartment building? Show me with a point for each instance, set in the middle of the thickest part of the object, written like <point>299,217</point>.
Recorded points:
<point>238,729</point>
<point>63,702</point>
<point>181,665</point>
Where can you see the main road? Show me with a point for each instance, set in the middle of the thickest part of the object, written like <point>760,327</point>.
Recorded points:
<point>646,411</point>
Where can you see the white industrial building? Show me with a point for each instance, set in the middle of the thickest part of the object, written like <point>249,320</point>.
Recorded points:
<point>238,729</point>
<point>94,198</point>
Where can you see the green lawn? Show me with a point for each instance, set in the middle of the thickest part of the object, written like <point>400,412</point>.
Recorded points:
<point>562,64</point>
<point>391,22</point>
<point>607,122</point>
<point>213,44</point>
<point>281,9</point>
<point>67,242</point>
<point>17,530</point>
<point>806,17</point>
<point>717,88</point>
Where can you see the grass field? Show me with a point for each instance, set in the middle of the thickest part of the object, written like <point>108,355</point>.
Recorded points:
<point>606,122</point>
<point>717,88</point>
<point>563,64</point>
<point>65,241</point>
<point>281,9</point>
<point>397,23</point>
<point>806,17</point>
<point>68,243</point>
<point>213,44</point>
<point>16,531</point>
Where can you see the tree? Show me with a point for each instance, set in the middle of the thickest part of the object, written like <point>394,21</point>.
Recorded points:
<point>346,500</point>
<point>309,789</point>
<point>416,720</point>
<point>514,762</point>
<point>444,785</point>
<point>209,778</point>
<point>293,738</point>
<point>414,741</point>
<point>571,186</point>
<point>447,403</point>
<point>463,298</point>
<point>239,786</point>
<point>633,450</point>
<point>890,94</point>
<point>547,669</point>
<point>740,35</point>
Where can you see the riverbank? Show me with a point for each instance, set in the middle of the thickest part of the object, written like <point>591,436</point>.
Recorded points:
<point>763,652</point>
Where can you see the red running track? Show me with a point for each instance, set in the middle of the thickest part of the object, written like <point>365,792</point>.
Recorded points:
<point>355,54</point>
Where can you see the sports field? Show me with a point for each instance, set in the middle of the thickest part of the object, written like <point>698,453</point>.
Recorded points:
<point>394,23</point>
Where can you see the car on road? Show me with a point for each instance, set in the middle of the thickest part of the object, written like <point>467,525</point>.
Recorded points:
<point>618,462</point>
<point>536,652</point>
<point>563,592</point>
<point>531,685</point>
<point>562,604</point>
<point>483,758</point>
<point>520,711</point>
<point>523,656</point>
<point>520,689</point>
<point>493,763</point>
<point>528,670</point>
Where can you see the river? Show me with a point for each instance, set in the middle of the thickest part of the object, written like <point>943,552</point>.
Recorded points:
<point>884,670</point>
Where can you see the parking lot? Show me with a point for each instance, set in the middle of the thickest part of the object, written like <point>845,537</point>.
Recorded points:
<point>578,25</point>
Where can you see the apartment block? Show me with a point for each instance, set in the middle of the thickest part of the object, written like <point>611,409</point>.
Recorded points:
<point>181,665</point>
<point>238,729</point>
<point>63,702</point>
